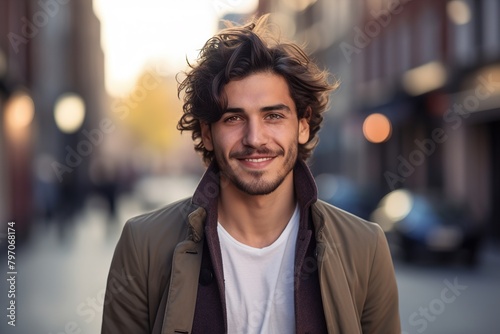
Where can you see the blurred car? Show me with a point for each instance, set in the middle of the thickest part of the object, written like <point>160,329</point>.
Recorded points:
<point>429,225</point>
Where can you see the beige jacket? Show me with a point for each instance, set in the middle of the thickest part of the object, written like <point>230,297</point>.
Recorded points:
<point>153,281</point>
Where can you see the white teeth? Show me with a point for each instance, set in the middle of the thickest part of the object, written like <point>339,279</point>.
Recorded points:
<point>258,160</point>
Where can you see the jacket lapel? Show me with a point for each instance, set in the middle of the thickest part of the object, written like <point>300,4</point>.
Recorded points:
<point>185,273</point>
<point>338,305</point>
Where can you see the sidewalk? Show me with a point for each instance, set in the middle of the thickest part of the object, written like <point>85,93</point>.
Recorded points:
<point>61,280</point>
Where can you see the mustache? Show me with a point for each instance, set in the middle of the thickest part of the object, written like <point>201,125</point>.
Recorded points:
<point>248,151</point>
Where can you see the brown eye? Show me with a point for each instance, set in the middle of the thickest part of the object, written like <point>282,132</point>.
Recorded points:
<point>232,119</point>
<point>274,116</point>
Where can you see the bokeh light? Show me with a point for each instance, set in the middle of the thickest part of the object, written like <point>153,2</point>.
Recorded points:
<point>425,78</point>
<point>397,204</point>
<point>377,128</point>
<point>19,111</point>
<point>69,112</point>
<point>458,11</point>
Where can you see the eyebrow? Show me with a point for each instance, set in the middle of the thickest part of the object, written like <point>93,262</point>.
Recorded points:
<point>279,106</point>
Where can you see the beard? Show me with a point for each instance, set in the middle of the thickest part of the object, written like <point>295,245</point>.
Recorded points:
<point>258,182</point>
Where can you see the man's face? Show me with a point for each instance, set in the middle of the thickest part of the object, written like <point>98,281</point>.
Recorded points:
<point>255,142</point>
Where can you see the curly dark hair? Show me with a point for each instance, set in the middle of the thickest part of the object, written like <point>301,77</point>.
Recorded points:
<point>238,51</point>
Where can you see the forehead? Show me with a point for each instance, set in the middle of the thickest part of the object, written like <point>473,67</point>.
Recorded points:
<point>258,90</point>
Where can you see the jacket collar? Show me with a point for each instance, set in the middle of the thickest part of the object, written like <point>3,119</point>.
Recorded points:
<point>208,187</point>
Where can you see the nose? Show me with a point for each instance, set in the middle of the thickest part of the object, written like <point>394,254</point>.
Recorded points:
<point>255,133</point>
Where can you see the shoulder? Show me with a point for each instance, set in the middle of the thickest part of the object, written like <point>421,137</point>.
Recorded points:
<point>169,222</point>
<point>336,222</point>
<point>359,244</point>
<point>163,216</point>
<point>148,240</point>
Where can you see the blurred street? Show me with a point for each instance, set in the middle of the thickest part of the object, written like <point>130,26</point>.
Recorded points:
<point>61,281</point>
<point>450,299</point>
<point>62,272</point>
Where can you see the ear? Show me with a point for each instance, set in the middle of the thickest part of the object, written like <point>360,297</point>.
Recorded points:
<point>206,136</point>
<point>304,127</point>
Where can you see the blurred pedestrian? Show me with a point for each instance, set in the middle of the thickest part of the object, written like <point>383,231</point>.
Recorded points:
<point>104,176</point>
<point>254,250</point>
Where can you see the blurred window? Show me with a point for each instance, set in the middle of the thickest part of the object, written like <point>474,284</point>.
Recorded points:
<point>462,31</point>
<point>390,53</point>
<point>404,46</point>
<point>429,34</point>
<point>375,58</point>
<point>491,28</point>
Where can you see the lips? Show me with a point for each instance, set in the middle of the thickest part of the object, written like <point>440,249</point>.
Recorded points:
<point>256,162</point>
<point>254,155</point>
<point>257,159</point>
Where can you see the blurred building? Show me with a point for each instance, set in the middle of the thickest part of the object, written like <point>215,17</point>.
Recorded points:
<point>52,90</point>
<point>420,81</point>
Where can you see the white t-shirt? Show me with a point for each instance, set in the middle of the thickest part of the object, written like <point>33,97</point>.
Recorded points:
<point>259,282</point>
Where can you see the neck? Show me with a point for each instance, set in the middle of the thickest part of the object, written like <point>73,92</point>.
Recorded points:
<point>256,221</point>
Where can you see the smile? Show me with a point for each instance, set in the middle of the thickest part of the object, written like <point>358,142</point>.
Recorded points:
<point>257,159</point>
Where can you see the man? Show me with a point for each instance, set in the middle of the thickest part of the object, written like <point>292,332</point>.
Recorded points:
<point>253,251</point>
